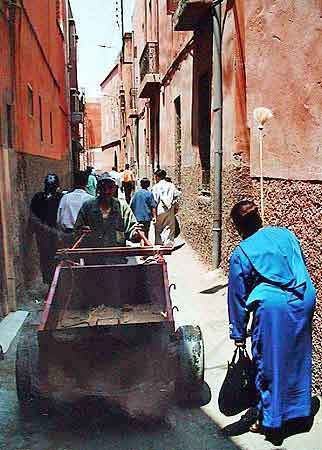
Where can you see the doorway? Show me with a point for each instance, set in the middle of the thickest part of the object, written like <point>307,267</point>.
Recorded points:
<point>204,127</point>
<point>177,143</point>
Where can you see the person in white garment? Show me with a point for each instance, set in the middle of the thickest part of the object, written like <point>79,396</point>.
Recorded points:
<point>72,202</point>
<point>118,180</point>
<point>166,196</point>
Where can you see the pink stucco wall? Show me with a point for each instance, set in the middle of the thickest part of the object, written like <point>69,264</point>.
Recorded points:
<point>103,160</point>
<point>110,87</point>
<point>283,74</point>
<point>93,112</point>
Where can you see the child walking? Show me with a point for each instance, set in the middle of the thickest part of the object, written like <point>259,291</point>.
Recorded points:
<point>143,206</point>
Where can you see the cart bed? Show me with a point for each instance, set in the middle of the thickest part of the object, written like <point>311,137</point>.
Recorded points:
<point>108,332</point>
<point>106,315</point>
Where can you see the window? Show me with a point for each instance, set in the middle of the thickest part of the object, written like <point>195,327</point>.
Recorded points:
<point>9,126</point>
<point>51,127</point>
<point>30,100</point>
<point>40,120</point>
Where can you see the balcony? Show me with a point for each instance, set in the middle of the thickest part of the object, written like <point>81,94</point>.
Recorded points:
<point>133,113</point>
<point>189,13</point>
<point>149,70</point>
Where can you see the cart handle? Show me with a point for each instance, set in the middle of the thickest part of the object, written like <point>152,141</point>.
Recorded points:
<point>77,243</point>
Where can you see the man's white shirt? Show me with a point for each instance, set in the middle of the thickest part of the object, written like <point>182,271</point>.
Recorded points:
<point>165,195</point>
<point>69,207</point>
<point>117,177</point>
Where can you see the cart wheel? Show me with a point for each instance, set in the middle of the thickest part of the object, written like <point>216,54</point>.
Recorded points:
<point>27,373</point>
<point>191,358</point>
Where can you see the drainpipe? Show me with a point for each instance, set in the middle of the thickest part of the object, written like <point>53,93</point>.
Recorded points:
<point>137,149</point>
<point>216,151</point>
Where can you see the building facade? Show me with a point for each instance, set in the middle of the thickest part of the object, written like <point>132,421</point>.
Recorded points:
<point>199,72</point>
<point>35,124</point>
<point>119,111</point>
<point>76,98</point>
<point>99,160</point>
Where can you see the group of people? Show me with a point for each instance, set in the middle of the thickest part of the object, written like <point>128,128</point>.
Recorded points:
<point>93,209</point>
<point>268,277</point>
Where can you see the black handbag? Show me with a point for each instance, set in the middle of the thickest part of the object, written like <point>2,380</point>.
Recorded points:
<point>238,391</point>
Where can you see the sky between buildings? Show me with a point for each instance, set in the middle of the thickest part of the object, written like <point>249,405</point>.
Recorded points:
<point>96,23</point>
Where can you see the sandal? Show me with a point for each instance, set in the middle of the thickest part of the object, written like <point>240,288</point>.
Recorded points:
<point>256,427</point>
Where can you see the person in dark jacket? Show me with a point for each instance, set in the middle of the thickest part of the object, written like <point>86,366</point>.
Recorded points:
<point>43,217</point>
<point>144,206</point>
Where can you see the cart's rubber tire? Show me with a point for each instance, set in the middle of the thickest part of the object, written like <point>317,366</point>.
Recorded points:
<point>27,374</point>
<point>191,363</point>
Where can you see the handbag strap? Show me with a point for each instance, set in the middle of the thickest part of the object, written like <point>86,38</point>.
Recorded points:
<point>243,352</point>
<point>234,356</point>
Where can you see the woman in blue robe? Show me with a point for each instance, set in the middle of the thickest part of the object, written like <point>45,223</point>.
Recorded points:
<point>268,278</point>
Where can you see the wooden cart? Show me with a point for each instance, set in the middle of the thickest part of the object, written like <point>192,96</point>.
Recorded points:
<point>108,331</point>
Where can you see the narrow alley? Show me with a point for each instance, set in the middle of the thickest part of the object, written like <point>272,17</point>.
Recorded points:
<point>160,224</point>
<point>187,428</point>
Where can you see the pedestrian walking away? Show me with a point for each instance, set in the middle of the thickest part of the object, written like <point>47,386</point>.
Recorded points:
<point>166,196</point>
<point>128,181</point>
<point>107,221</point>
<point>43,220</point>
<point>268,277</point>
<point>143,206</point>
<point>71,203</point>
<point>118,180</point>
<point>91,181</point>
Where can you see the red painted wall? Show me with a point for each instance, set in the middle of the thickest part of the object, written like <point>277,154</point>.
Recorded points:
<point>40,55</point>
<point>4,54</point>
<point>93,112</point>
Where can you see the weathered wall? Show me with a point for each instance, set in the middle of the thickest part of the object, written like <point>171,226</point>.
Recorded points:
<point>270,33</point>
<point>283,75</point>
<point>296,205</point>
<point>28,173</point>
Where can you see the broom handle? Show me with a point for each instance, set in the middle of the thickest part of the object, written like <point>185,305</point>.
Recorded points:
<point>261,172</point>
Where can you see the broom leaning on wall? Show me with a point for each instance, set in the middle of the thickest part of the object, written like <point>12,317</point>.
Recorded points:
<point>261,116</point>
